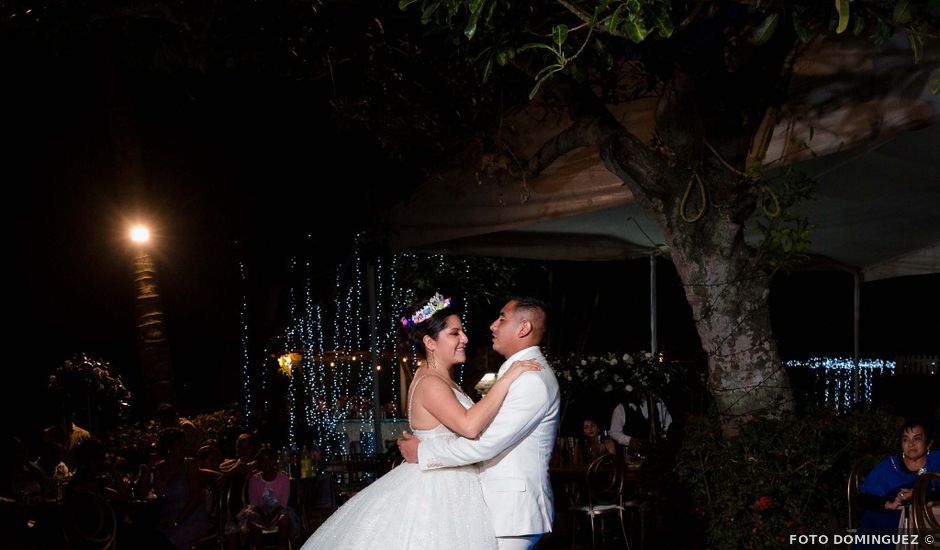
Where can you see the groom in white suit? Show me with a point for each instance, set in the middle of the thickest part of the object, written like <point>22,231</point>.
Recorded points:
<point>515,448</point>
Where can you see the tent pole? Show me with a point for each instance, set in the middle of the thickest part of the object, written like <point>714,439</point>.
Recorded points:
<point>855,333</point>
<point>374,348</point>
<point>654,347</point>
<point>654,333</point>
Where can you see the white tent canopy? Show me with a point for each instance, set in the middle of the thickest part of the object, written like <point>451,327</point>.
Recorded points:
<point>877,209</point>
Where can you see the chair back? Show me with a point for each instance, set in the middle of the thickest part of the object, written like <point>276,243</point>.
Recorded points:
<point>89,521</point>
<point>605,481</point>
<point>923,515</point>
<point>857,473</point>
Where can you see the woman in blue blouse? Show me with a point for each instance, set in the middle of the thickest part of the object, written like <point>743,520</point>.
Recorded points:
<point>888,486</point>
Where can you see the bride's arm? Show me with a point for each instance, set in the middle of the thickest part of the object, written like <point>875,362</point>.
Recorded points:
<point>440,402</point>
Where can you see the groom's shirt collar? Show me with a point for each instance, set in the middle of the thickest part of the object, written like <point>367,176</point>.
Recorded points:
<point>527,353</point>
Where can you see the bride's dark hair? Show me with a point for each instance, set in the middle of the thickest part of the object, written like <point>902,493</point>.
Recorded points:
<point>412,334</point>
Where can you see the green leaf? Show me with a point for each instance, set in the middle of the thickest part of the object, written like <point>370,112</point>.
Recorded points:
<point>471,28</point>
<point>559,34</point>
<point>902,12</point>
<point>917,44</point>
<point>489,12</point>
<point>664,23</point>
<point>535,89</point>
<point>614,19</point>
<point>427,11</point>
<point>801,29</point>
<point>548,71</point>
<point>934,84</point>
<point>636,29</point>
<point>488,69</point>
<point>475,6</point>
<point>859,27</point>
<point>766,29</point>
<point>403,4</point>
<point>535,45</point>
<point>842,7</point>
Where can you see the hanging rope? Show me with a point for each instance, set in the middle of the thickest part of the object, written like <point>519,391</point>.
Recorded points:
<point>774,202</point>
<point>725,163</point>
<point>693,179</point>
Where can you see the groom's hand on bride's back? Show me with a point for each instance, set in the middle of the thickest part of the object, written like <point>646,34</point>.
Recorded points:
<point>408,445</point>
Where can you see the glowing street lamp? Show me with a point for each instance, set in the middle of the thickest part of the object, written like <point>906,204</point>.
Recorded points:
<point>140,234</point>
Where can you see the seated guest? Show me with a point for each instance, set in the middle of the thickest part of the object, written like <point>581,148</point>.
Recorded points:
<point>22,481</point>
<point>170,418</point>
<point>176,482</point>
<point>235,472</point>
<point>593,445</point>
<point>68,435</point>
<point>268,495</point>
<point>51,465</point>
<point>630,419</point>
<point>209,457</point>
<point>887,487</point>
<point>95,473</point>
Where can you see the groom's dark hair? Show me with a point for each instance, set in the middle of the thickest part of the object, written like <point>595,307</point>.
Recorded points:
<point>536,308</point>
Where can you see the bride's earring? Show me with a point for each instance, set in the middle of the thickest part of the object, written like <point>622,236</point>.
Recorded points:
<point>432,364</point>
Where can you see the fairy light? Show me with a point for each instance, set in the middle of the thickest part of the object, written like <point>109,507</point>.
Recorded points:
<point>364,368</point>
<point>337,413</point>
<point>246,362</point>
<point>836,376</point>
<point>465,315</point>
<point>336,380</point>
<point>264,381</point>
<point>307,341</point>
<point>395,308</point>
<point>292,385</point>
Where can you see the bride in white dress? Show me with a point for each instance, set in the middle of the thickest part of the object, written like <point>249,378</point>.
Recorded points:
<point>407,509</point>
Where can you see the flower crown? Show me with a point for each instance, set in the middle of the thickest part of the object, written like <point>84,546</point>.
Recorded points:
<point>435,304</point>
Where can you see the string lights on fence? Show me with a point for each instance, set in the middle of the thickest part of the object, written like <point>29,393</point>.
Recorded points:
<point>838,378</point>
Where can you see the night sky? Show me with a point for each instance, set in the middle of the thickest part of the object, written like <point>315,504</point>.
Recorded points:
<point>246,168</point>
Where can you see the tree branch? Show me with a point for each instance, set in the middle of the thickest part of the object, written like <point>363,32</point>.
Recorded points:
<point>585,132</point>
<point>691,17</point>
<point>679,124</point>
<point>592,124</point>
<point>634,161</point>
<point>587,18</point>
<point>762,137</point>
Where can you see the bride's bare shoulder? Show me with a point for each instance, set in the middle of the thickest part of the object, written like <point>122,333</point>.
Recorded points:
<point>430,384</point>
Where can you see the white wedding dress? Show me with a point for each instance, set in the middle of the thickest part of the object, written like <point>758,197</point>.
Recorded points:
<point>407,509</point>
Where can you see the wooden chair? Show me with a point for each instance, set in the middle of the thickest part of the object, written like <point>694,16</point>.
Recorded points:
<point>605,488</point>
<point>923,512</point>
<point>89,522</point>
<point>857,472</point>
<point>217,499</point>
<point>319,501</point>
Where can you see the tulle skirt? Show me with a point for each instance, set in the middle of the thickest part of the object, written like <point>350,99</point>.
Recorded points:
<point>407,509</point>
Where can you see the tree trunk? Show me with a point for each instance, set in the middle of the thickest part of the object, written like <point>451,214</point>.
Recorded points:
<point>728,296</point>
<point>725,288</point>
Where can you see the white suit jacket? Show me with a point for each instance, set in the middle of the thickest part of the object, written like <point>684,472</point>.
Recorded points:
<point>513,452</point>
